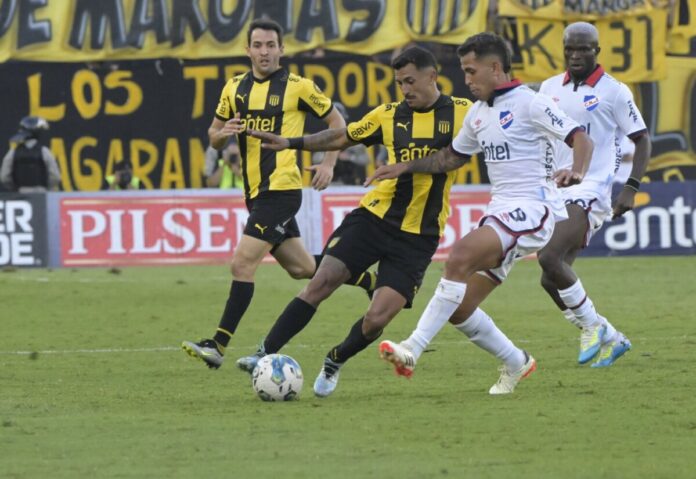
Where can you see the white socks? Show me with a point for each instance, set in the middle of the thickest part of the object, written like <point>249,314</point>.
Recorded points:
<point>581,311</point>
<point>483,332</point>
<point>577,301</point>
<point>447,298</point>
<point>570,316</point>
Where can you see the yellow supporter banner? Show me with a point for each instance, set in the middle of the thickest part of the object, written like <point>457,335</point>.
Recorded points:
<point>93,30</point>
<point>682,35</point>
<point>633,47</point>
<point>587,10</point>
<point>669,107</point>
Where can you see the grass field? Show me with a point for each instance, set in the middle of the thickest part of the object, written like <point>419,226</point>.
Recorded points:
<point>93,384</point>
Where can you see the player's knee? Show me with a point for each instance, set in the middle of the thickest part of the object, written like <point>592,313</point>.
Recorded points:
<point>459,265</point>
<point>241,267</point>
<point>300,271</point>
<point>549,260</point>
<point>320,288</point>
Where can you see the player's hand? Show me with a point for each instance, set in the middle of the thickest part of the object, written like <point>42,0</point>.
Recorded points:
<point>233,126</point>
<point>269,140</point>
<point>386,172</point>
<point>624,202</point>
<point>565,178</point>
<point>323,174</point>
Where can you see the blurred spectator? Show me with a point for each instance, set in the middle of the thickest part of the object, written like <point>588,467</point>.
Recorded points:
<point>123,178</point>
<point>222,168</point>
<point>381,156</point>
<point>29,166</point>
<point>351,163</point>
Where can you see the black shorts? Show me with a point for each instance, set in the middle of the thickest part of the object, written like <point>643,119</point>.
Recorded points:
<point>272,216</point>
<point>363,239</point>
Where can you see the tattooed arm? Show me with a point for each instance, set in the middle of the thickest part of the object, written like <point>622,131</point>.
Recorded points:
<point>326,140</point>
<point>441,161</point>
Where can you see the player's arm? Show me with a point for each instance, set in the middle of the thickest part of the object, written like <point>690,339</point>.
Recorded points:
<point>582,147</point>
<point>554,123</point>
<point>220,131</point>
<point>328,140</point>
<point>629,119</point>
<point>226,121</point>
<point>323,172</point>
<point>626,198</point>
<point>446,159</point>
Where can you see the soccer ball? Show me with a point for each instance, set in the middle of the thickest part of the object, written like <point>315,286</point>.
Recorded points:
<point>277,377</point>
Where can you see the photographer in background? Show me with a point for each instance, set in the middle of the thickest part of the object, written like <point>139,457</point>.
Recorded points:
<point>352,162</point>
<point>123,178</point>
<point>29,166</point>
<point>222,169</point>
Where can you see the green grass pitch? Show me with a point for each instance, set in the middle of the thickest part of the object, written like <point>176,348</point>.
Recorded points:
<point>93,383</point>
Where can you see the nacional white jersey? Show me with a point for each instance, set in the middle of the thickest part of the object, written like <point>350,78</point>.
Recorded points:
<point>516,130</point>
<point>605,108</point>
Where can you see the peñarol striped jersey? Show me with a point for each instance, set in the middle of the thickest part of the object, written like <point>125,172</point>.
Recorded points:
<point>277,104</point>
<point>419,202</point>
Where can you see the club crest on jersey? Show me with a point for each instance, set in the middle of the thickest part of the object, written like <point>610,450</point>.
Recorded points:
<point>591,102</point>
<point>274,100</point>
<point>505,119</point>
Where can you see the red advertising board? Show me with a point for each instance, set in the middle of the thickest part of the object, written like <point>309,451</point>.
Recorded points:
<point>467,208</point>
<point>122,230</point>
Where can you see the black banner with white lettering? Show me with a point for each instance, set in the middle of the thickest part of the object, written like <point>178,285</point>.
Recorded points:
<point>23,230</point>
<point>157,112</point>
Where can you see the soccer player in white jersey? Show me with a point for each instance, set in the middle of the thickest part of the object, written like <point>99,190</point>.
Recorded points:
<point>605,107</point>
<point>514,127</point>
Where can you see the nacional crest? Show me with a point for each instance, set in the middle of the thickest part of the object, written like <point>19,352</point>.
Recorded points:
<point>505,119</point>
<point>591,102</point>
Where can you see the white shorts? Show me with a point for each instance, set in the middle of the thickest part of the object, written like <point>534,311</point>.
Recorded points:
<point>595,199</point>
<point>523,229</point>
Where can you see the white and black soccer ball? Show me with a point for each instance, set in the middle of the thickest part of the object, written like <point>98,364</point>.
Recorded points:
<point>277,377</point>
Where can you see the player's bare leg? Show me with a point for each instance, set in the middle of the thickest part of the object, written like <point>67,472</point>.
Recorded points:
<point>294,258</point>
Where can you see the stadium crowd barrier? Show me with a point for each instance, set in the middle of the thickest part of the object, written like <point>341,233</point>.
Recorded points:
<point>203,226</point>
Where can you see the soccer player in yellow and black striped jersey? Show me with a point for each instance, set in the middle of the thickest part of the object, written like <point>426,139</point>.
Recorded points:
<point>267,98</point>
<point>398,224</point>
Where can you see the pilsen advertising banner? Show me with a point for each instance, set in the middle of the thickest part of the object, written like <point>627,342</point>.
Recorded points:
<point>86,30</point>
<point>157,113</point>
<point>203,226</point>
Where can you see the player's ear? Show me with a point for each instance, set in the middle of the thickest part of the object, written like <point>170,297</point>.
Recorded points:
<point>597,50</point>
<point>282,48</point>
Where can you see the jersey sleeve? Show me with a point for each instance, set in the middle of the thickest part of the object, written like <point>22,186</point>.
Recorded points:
<point>551,120</point>
<point>626,113</point>
<point>367,130</point>
<point>225,108</point>
<point>312,100</point>
<point>466,143</point>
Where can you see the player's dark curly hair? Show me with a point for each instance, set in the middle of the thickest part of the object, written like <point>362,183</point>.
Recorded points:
<point>420,57</point>
<point>483,44</point>
<point>265,24</point>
